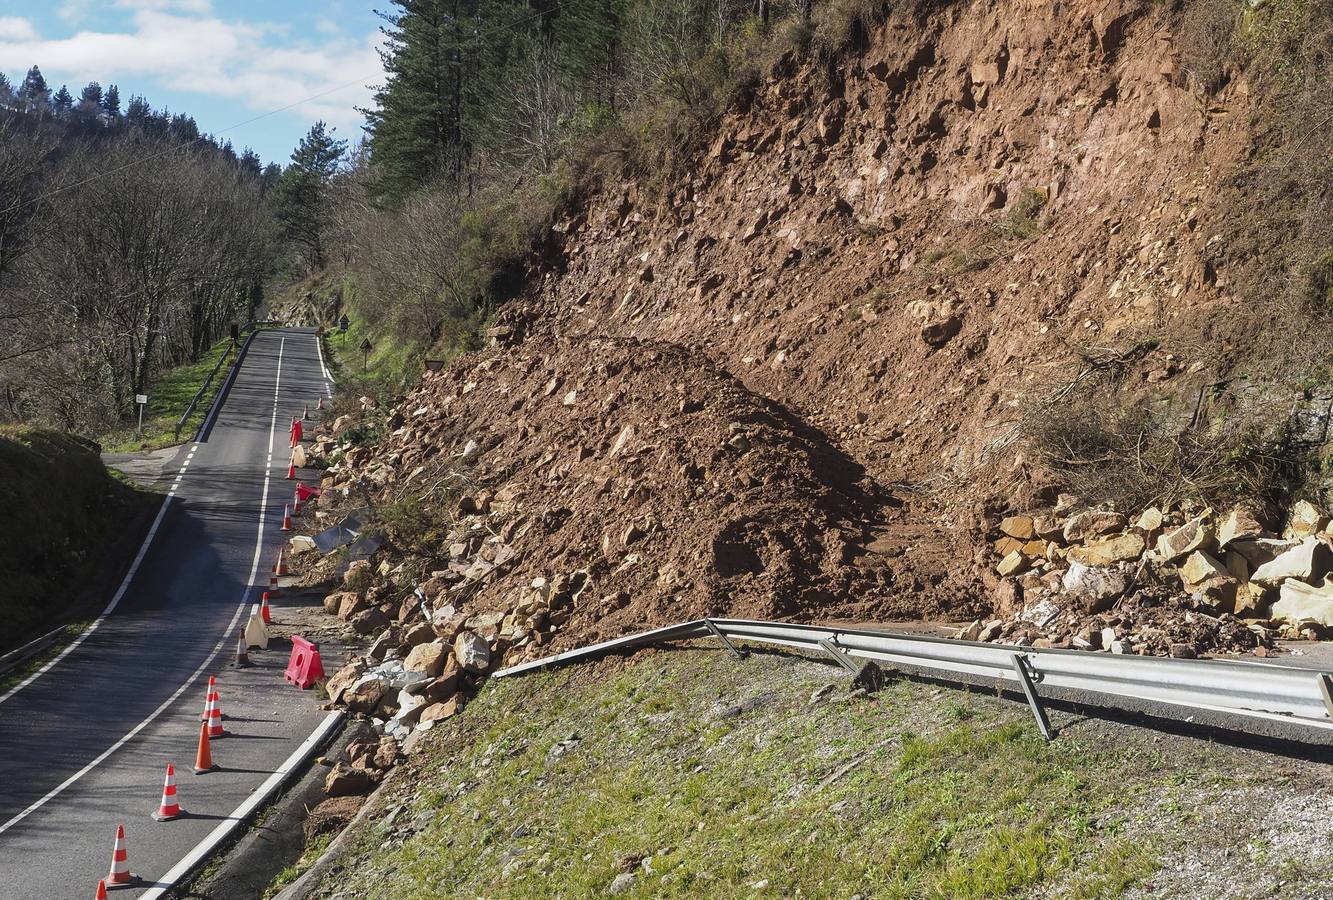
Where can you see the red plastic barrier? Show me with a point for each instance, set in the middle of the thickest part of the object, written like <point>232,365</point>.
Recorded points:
<point>304,493</point>
<point>304,667</point>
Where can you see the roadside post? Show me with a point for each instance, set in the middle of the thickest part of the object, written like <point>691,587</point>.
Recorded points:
<point>142,400</point>
<point>365,354</point>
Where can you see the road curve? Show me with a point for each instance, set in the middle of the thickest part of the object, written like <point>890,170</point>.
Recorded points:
<point>84,746</point>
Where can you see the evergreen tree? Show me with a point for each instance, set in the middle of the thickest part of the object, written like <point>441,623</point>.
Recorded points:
<point>63,101</point>
<point>138,112</point>
<point>34,94</point>
<point>250,163</point>
<point>111,102</point>
<point>416,124</point>
<point>589,35</point>
<point>303,191</point>
<point>90,98</point>
<point>6,92</point>
<point>184,127</point>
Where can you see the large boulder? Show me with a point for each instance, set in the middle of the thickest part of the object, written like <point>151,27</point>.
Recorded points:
<point>1305,520</point>
<point>1302,604</point>
<point>344,678</point>
<point>1092,523</point>
<point>1105,551</point>
<point>350,603</point>
<point>1240,524</point>
<point>1095,588</point>
<point>1308,561</point>
<point>472,652</point>
<point>369,621</point>
<point>1021,527</point>
<point>365,694</point>
<point>428,658</point>
<point>1193,535</point>
<point>344,781</point>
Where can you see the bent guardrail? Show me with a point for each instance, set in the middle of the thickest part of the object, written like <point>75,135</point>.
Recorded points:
<point>1253,690</point>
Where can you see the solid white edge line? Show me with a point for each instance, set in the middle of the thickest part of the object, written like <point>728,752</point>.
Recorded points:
<point>243,812</point>
<point>328,379</point>
<point>217,648</point>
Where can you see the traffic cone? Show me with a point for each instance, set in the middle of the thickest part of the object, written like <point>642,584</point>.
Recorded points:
<point>215,717</point>
<point>101,890</point>
<point>291,471</point>
<point>286,517</point>
<point>120,862</point>
<point>169,808</point>
<point>203,757</point>
<point>242,652</point>
<point>280,568</point>
<point>208,698</point>
<point>273,585</point>
<point>263,609</point>
<point>296,503</point>
<point>305,413</point>
<point>320,404</point>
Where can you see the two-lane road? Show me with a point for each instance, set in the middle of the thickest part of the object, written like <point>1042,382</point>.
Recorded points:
<point>84,745</point>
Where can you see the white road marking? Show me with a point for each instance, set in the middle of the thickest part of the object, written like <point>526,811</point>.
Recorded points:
<point>217,648</point>
<point>328,379</point>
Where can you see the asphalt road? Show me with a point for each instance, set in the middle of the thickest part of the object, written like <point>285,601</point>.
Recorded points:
<point>84,746</point>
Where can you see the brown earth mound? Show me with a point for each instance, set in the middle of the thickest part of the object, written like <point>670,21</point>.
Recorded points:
<point>652,484</point>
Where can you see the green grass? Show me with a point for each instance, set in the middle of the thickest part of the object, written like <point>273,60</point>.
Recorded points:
<point>383,373</point>
<point>168,397</point>
<point>313,850</point>
<point>897,796</point>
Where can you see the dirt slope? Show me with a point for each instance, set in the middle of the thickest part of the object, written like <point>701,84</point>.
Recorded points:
<point>806,371</point>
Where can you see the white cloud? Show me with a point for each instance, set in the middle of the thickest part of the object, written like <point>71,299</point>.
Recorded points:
<point>184,44</point>
<point>12,28</point>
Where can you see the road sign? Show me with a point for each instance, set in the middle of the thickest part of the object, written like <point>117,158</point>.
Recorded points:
<point>343,323</point>
<point>142,400</point>
<point>365,354</point>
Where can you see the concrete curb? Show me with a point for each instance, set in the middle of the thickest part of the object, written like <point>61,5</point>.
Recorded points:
<point>242,813</point>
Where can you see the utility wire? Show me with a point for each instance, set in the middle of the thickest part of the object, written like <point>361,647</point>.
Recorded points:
<point>272,112</point>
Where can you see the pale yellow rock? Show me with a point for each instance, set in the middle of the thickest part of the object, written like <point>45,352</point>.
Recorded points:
<point>1310,560</point>
<point>1300,602</point>
<point>1149,520</point>
<point>1105,551</point>
<point>1012,564</point>
<point>1191,536</point>
<point>1304,520</point>
<point>1239,524</point>
<point>1250,599</point>
<point>1199,567</point>
<point>1020,527</point>
<point>1006,545</point>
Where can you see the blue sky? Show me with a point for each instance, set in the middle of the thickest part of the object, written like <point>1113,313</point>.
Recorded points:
<point>222,61</point>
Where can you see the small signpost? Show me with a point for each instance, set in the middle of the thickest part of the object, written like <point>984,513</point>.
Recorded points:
<point>343,323</point>
<point>142,400</point>
<point>365,354</point>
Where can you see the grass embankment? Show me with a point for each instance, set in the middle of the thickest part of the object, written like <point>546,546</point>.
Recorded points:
<point>68,529</point>
<point>168,397</point>
<point>709,777</point>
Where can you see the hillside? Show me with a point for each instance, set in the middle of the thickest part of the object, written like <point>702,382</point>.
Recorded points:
<point>985,260</point>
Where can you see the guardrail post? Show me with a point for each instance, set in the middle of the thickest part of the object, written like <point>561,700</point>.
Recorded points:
<point>1326,688</point>
<point>717,633</point>
<point>839,657</point>
<point>1030,691</point>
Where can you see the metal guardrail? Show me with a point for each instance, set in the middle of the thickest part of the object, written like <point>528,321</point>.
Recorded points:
<point>16,657</point>
<point>1252,690</point>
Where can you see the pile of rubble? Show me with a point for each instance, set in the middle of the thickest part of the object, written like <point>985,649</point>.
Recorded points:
<point>1178,581</point>
<point>578,490</point>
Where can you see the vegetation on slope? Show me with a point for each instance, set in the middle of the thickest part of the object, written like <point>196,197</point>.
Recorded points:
<point>688,773</point>
<point>68,527</point>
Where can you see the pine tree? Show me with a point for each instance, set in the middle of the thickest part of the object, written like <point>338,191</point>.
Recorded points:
<point>63,101</point>
<point>90,98</point>
<point>34,94</point>
<point>303,191</point>
<point>111,102</point>
<point>6,92</point>
<point>589,35</point>
<point>416,125</point>
<point>250,163</point>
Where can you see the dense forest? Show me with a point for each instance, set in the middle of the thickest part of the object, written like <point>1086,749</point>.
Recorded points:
<point>128,242</point>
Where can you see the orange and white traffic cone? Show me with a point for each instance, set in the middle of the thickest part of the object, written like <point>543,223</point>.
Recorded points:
<point>120,862</point>
<point>286,517</point>
<point>273,585</point>
<point>291,472</point>
<point>263,609</point>
<point>242,652</point>
<point>208,698</point>
<point>203,757</point>
<point>101,890</point>
<point>169,808</point>
<point>305,413</point>
<point>280,567</point>
<point>296,503</point>
<point>320,404</point>
<point>215,717</point>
